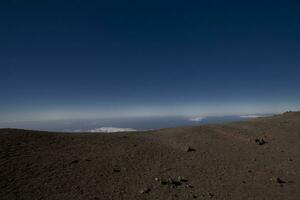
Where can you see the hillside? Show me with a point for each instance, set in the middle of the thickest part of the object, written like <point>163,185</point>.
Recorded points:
<point>256,159</point>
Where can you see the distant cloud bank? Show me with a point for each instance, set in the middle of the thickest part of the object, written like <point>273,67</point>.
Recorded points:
<point>196,119</point>
<point>110,130</point>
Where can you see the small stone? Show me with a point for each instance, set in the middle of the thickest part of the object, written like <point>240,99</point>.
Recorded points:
<point>116,170</point>
<point>173,182</point>
<point>145,190</point>
<point>74,162</point>
<point>181,179</point>
<point>170,182</point>
<point>211,194</point>
<point>260,141</point>
<point>156,179</point>
<point>163,182</point>
<point>280,181</point>
<point>189,149</point>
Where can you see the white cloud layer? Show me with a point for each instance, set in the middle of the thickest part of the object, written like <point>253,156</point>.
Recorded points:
<point>196,119</point>
<point>110,130</point>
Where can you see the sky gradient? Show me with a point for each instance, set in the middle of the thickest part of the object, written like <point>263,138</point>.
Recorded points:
<point>93,59</point>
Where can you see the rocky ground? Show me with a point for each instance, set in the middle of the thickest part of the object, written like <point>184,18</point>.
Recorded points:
<point>257,159</point>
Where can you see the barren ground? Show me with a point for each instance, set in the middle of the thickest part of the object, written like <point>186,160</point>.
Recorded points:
<point>257,159</point>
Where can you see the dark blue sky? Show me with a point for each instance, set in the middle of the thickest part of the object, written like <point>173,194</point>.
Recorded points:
<point>72,59</point>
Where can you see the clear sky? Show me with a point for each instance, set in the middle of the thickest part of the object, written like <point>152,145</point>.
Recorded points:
<point>85,59</point>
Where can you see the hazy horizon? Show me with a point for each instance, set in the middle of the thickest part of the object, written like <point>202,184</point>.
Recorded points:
<point>119,124</point>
